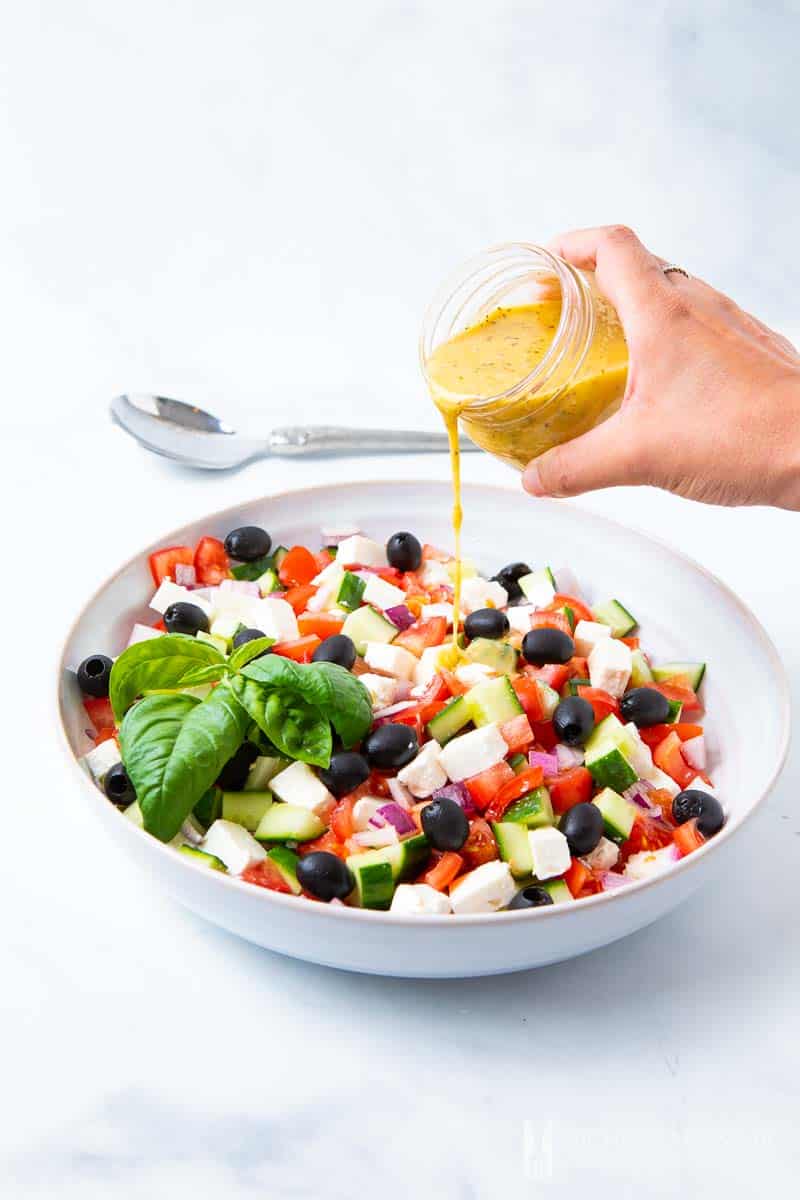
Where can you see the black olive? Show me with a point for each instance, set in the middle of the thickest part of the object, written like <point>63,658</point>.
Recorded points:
<point>390,746</point>
<point>246,635</point>
<point>545,645</point>
<point>346,771</point>
<point>338,648</point>
<point>233,775</point>
<point>573,720</point>
<point>706,808</point>
<point>531,897</point>
<point>325,875</point>
<point>508,577</point>
<point>184,617</point>
<point>94,674</point>
<point>486,623</point>
<point>404,552</point>
<point>445,824</point>
<point>582,826</point>
<point>248,543</point>
<point>644,706</point>
<point>118,787</point>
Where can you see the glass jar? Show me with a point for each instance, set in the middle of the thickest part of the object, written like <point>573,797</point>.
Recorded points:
<point>523,349</point>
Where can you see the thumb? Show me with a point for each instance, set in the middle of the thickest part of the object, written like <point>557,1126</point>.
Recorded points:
<point>607,456</point>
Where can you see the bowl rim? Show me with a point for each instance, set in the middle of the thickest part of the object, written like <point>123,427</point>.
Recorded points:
<point>450,920</point>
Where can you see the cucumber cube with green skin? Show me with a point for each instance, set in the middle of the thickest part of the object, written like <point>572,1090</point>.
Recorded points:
<point>202,858</point>
<point>514,847</point>
<point>518,763</point>
<point>558,891</point>
<point>351,589</point>
<point>367,625</point>
<point>450,721</point>
<point>531,811</point>
<point>539,587</point>
<point>289,823</point>
<point>573,685</point>
<point>374,883</point>
<point>618,815</point>
<point>268,582</point>
<point>549,697</point>
<point>245,808</point>
<point>608,754</point>
<point>492,701</point>
<point>675,710</point>
<point>377,871</point>
<point>640,670</point>
<point>667,671</point>
<point>278,556</point>
<point>286,862</point>
<point>498,655</point>
<point>616,616</point>
<point>253,571</point>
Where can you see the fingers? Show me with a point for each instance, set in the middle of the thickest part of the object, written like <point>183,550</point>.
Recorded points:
<point>608,456</point>
<point>627,273</point>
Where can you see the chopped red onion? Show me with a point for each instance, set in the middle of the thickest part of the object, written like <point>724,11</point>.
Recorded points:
<point>548,762</point>
<point>637,795</point>
<point>396,816</point>
<point>611,880</point>
<point>403,689</point>
<point>333,535</point>
<point>245,587</point>
<point>375,838</point>
<point>568,757</point>
<point>459,793</point>
<point>185,575</point>
<point>400,616</point>
<point>400,793</point>
<point>401,706</point>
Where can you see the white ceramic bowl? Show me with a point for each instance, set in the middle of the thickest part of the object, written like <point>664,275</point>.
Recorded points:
<point>685,613</point>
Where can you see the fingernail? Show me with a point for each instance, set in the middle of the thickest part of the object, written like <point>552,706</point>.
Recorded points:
<point>532,481</point>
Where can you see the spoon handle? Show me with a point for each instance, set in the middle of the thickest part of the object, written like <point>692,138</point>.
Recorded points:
<point>296,440</point>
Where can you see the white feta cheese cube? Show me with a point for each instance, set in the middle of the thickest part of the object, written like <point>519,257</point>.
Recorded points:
<point>364,810</point>
<point>430,662</point>
<point>275,618</point>
<point>392,660</point>
<point>471,673</point>
<point>299,785</point>
<point>425,774</point>
<point>604,856</point>
<point>417,899</point>
<point>100,759</point>
<point>438,610</point>
<point>660,779</point>
<point>486,889</point>
<point>381,688</point>
<point>610,666</point>
<point>143,633</point>
<point>519,617</point>
<point>482,593</point>
<point>325,596</point>
<point>474,752</point>
<point>587,634</point>
<point>648,863</point>
<point>234,846</point>
<point>435,574</point>
<point>172,593</point>
<point>363,550</point>
<point>382,594</point>
<point>550,851</point>
<point>225,626</point>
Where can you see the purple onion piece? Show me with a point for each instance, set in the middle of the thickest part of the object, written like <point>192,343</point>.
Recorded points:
<point>548,762</point>
<point>400,616</point>
<point>459,793</point>
<point>397,816</point>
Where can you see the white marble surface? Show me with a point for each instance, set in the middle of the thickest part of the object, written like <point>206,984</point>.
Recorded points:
<point>249,204</point>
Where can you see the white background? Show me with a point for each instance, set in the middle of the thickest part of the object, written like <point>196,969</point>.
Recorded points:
<point>248,205</point>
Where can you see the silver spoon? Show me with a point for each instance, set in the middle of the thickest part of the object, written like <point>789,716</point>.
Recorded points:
<point>198,439</point>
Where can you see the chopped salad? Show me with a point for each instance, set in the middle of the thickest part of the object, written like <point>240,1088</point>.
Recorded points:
<point>320,722</point>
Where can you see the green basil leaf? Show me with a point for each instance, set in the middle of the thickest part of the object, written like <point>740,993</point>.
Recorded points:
<point>210,674</point>
<point>174,747</point>
<point>340,696</point>
<point>298,729</point>
<point>244,654</point>
<point>161,662</point>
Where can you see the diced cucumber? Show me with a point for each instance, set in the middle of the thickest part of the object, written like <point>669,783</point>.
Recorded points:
<point>675,710</point>
<point>253,571</point>
<point>377,871</point>
<point>268,582</point>
<point>558,890</point>
<point>574,684</point>
<point>134,814</point>
<point>413,852</point>
<point>351,589</point>
<point>200,856</point>
<point>532,811</point>
<point>618,814</point>
<point>606,756</point>
<point>695,672</point>
<point>514,847</point>
<point>539,587</point>
<point>262,770</point>
<point>550,699</point>
<point>518,763</point>
<point>616,616</point>
<point>492,701</point>
<point>245,808</point>
<point>289,823</point>
<point>640,670</point>
<point>450,721</point>
<point>367,625</point>
<point>209,807</point>
<point>286,861</point>
<point>498,655</point>
<point>278,556</point>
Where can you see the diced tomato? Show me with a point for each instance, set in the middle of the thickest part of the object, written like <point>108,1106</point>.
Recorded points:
<point>432,700</point>
<point>480,846</point>
<point>300,650</point>
<point>298,567</point>
<point>457,688</point>
<point>648,833</point>
<point>163,562</point>
<point>324,625</point>
<point>390,574</point>
<point>105,735</point>
<point>323,559</point>
<point>411,718</point>
<point>422,634</point>
<point>579,666</point>
<point>667,755</point>
<point>679,691</point>
<point>443,871</point>
<point>327,841</point>
<point>266,875</point>
<point>687,837</point>
<point>544,734</point>
<point>631,642</point>
<point>571,787</point>
<point>298,597</point>
<point>576,877</point>
<point>602,702</point>
<point>555,675</point>
<point>517,733</point>
<point>529,695</point>
<point>211,562</point>
<point>433,553</point>
<point>484,787</point>
<point>543,619</point>
<point>580,610</point>
<point>514,789</point>
<point>160,625</point>
<point>653,734</point>
<point>100,712</point>
<point>341,819</point>
<point>663,799</point>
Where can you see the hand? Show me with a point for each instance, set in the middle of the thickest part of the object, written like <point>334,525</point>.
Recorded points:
<point>712,406</point>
